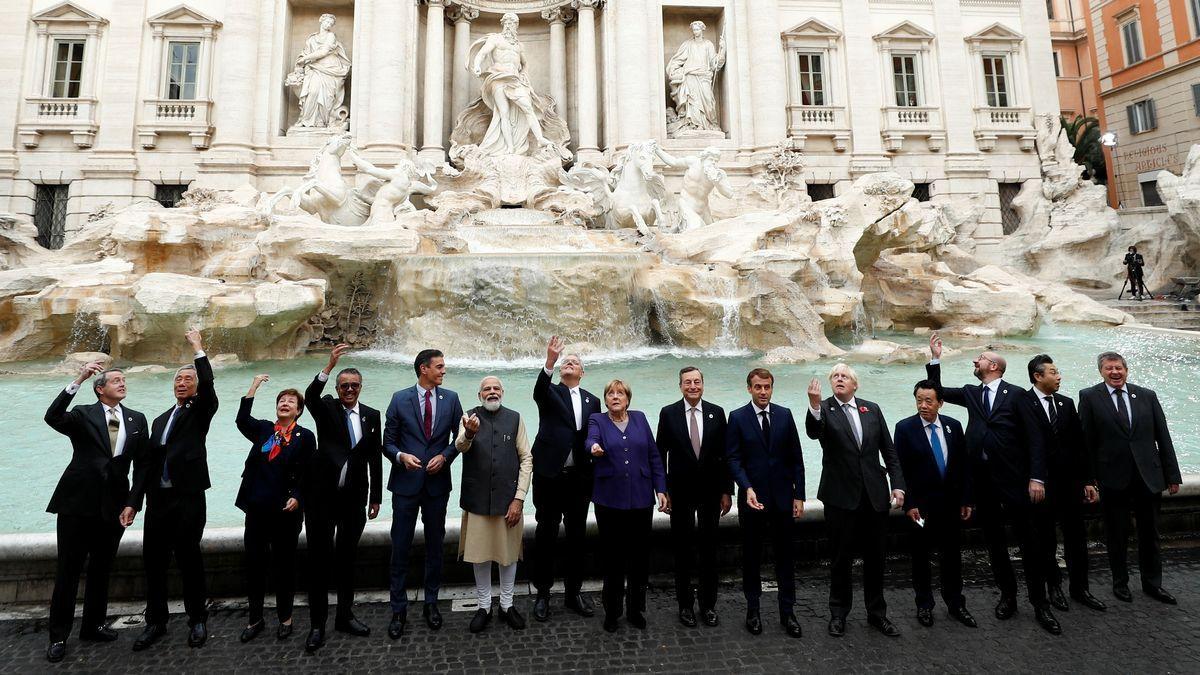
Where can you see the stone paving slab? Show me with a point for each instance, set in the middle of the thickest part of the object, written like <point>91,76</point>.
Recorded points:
<point>1142,637</point>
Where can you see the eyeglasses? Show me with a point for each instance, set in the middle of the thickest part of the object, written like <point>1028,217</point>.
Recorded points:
<point>350,386</point>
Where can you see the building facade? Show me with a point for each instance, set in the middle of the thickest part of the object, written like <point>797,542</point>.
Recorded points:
<point>1072,57</point>
<point>1147,71</point>
<point>121,100</point>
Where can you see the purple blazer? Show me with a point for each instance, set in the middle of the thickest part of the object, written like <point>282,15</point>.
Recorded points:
<point>631,470</point>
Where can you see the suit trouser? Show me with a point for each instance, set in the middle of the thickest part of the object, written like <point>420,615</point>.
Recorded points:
<point>82,538</point>
<point>694,522</point>
<point>270,540</point>
<point>563,498</point>
<point>1144,504</point>
<point>404,526</point>
<point>1064,505</point>
<point>756,527</point>
<point>625,540</point>
<point>174,526</point>
<point>994,512</point>
<point>943,529</point>
<point>862,529</point>
<point>332,553</point>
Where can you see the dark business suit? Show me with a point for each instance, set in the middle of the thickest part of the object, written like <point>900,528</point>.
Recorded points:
<point>560,494</point>
<point>627,477</point>
<point>329,508</point>
<point>1066,474</point>
<point>1132,466</point>
<point>939,497</point>
<point>774,467</point>
<point>175,515</point>
<point>88,501</point>
<point>417,489</point>
<point>1006,454</point>
<point>270,534</point>
<point>854,490</point>
<point>696,485</point>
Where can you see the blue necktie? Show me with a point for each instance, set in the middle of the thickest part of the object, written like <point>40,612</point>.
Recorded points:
<point>987,400</point>
<point>936,444</point>
<point>350,427</point>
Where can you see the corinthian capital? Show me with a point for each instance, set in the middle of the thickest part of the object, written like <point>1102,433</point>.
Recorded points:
<point>588,4</point>
<point>561,14</point>
<point>456,12</point>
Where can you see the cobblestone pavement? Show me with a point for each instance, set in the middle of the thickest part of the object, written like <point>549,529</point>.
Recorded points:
<point>1142,637</point>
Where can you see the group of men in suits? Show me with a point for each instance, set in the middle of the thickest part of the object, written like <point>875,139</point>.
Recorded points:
<point>1026,459</point>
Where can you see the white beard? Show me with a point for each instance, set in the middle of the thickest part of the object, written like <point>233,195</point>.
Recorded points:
<point>491,406</point>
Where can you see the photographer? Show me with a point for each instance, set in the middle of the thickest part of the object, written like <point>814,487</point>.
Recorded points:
<point>1134,262</point>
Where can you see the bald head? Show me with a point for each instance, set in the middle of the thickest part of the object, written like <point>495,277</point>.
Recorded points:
<point>989,366</point>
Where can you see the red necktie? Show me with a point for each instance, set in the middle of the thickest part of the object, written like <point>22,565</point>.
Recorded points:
<point>428,415</point>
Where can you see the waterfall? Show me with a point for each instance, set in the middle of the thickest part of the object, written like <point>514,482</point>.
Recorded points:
<point>863,328</point>
<point>87,333</point>
<point>662,316</point>
<point>722,290</point>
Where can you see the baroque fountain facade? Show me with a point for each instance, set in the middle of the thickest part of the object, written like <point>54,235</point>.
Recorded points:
<point>668,200</point>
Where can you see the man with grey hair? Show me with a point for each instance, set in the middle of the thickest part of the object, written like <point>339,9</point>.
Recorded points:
<point>562,477</point>
<point>93,502</point>
<point>1132,460</point>
<point>176,511</point>
<point>497,466</point>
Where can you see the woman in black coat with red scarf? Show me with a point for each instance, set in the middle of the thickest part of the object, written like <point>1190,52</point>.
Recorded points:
<point>270,497</point>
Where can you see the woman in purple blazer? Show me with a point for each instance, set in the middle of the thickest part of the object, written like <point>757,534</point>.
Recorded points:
<point>629,474</point>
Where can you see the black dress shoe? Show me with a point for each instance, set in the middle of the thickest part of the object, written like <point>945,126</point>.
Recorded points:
<point>964,617</point>
<point>152,633</point>
<point>284,631</point>
<point>56,652</point>
<point>709,617</point>
<point>98,634</point>
<point>637,620</point>
<point>433,616</point>
<point>316,640</point>
<point>1122,593</point>
<point>581,605</point>
<point>753,622</point>
<point>1006,608</point>
<point>252,631</point>
<point>480,621</point>
<point>1046,620</point>
<point>352,626</point>
<point>1088,600</point>
<point>541,608</point>
<point>198,635</point>
<point>790,624</point>
<point>513,618</point>
<point>837,626</point>
<point>610,623</point>
<point>883,625</point>
<point>1057,599</point>
<point>1160,595</point>
<point>396,626</point>
<point>687,617</point>
<point>925,617</point>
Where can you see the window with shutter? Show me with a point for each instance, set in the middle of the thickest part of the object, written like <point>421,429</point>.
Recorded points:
<point>1196,98</point>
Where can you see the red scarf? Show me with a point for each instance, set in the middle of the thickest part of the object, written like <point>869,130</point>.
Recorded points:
<point>280,438</point>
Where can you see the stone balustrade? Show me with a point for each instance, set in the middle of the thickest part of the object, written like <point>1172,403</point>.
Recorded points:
<point>992,123</point>
<point>76,116</point>
<point>829,121</point>
<point>900,122</point>
<point>165,116</point>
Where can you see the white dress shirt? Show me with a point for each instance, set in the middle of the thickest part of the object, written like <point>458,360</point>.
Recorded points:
<point>577,408</point>
<point>1042,396</point>
<point>994,387</point>
<point>1112,400</point>
<point>433,401</point>
<point>941,434</point>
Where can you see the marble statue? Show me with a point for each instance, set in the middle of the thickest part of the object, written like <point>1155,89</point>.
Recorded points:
<point>324,191</point>
<point>701,176</point>
<point>400,183</point>
<point>632,195</point>
<point>509,117</point>
<point>320,81</point>
<point>691,74</point>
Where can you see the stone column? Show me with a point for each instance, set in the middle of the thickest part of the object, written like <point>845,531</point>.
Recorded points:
<point>957,96</point>
<point>237,83</point>
<point>435,73</point>
<point>462,16</point>
<point>630,81</point>
<point>864,89</point>
<point>557,17</point>
<point>767,75</point>
<point>587,147</point>
<point>391,59</point>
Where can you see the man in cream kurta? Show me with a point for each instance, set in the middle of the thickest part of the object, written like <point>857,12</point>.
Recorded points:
<point>497,466</point>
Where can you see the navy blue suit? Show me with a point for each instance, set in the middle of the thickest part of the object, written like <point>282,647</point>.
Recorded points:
<point>939,499</point>
<point>774,467</point>
<point>412,490</point>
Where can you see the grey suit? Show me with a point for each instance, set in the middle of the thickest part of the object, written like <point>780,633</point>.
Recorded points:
<point>1132,462</point>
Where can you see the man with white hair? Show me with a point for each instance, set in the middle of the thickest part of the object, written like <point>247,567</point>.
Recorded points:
<point>497,466</point>
<point>854,440</point>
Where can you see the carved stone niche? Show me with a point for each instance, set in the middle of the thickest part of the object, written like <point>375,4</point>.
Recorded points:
<point>317,93</point>
<point>688,118</point>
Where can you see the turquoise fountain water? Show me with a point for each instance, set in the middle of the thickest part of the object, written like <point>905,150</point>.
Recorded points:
<point>35,455</point>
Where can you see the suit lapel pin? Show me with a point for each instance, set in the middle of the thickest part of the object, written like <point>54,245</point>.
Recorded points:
<point>1133,396</point>
<point>129,419</point>
<point>440,397</point>
<point>1006,391</point>
<point>587,400</point>
<point>1060,404</point>
<point>710,416</point>
<point>188,404</point>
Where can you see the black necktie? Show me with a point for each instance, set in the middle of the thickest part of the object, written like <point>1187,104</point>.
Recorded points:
<point>1122,410</point>
<point>766,427</point>
<point>987,403</point>
<point>1053,412</point>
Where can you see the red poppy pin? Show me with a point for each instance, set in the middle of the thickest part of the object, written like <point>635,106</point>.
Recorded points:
<point>863,409</point>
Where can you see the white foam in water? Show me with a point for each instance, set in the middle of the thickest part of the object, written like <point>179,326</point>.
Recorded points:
<point>518,362</point>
